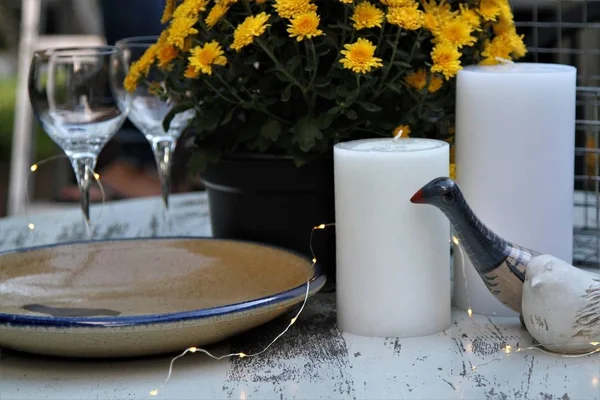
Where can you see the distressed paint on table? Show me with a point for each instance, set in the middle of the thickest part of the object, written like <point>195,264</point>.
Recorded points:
<point>314,360</point>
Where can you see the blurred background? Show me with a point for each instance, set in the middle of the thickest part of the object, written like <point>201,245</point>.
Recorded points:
<point>560,31</point>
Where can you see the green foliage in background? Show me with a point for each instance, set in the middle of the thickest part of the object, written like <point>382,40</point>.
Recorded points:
<point>45,147</point>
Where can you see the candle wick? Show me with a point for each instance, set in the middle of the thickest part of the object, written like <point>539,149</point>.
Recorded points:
<point>398,135</point>
<point>504,60</point>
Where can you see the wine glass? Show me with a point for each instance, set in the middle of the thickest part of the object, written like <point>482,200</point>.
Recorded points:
<point>148,111</point>
<point>72,98</point>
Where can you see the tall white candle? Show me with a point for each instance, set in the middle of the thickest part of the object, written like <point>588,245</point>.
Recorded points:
<point>393,257</point>
<point>515,138</point>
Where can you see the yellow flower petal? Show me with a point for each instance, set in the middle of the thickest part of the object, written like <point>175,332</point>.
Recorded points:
<point>409,17</point>
<point>366,15</point>
<point>305,26</point>
<point>446,60</point>
<point>290,8</point>
<point>252,27</point>
<point>359,56</point>
<point>204,57</point>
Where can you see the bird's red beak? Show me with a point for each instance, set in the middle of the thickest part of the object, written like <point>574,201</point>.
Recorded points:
<point>417,198</point>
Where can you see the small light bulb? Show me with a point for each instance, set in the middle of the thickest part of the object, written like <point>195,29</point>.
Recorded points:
<point>293,320</point>
<point>473,367</point>
<point>33,168</point>
<point>519,350</point>
<point>31,226</point>
<point>193,349</point>
<point>322,226</point>
<point>455,239</point>
<point>508,349</point>
<point>470,312</point>
<point>595,381</point>
<point>96,176</point>
<point>153,392</point>
<point>314,260</point>
<point>242,355</point>
<point>594,343</point>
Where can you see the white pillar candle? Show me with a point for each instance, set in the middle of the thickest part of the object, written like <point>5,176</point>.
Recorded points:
<point>515,146</point>
<point>393,257</point>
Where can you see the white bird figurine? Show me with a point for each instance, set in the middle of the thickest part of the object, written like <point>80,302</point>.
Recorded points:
<point>561,306</point>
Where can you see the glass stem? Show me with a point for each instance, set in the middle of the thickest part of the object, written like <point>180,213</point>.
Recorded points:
<point>83,167</point>
<point>163,152</point>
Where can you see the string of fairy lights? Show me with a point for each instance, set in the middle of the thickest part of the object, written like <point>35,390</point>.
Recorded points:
<point>154,392</point>
<point>506,350</point>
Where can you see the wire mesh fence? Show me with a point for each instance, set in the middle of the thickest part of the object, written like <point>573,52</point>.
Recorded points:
<point>568,32</point>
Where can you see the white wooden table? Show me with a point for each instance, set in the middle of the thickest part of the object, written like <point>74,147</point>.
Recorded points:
<point>314,360</point>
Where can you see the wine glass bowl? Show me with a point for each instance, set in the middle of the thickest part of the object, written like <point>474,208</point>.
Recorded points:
<point>72,97</point>
<point>149,110</point>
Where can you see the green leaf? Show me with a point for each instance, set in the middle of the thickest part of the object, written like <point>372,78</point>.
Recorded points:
<point>327,92</point>
<point>294,62</point>
<point>286,94</point>
<point>271,130</point>
<point>342,91</point>
<point>333,110</point>
<point>402,64</point>
<point>228,116</point>
<point>369,106</point>
<point>351,114</point>
<point>174,111</point>
<point>325,120</point>
<point>322,81</point>
<point>306,133</point>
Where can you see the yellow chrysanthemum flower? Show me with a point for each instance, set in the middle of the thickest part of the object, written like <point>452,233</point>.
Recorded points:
<point>470,17</point>
<point>402,130</point>
<point>418,80</point>
<point>140,68</point>
<point>489,10</point>
<point>168,11</point>
<point>436,13</point>
<point>191,72</point>
<point>409,17</point>
<point>305,26</point>
<point>367,15</point>
<point>132,79</point>
<point>204,57</point>
<point>252,27</point>
<point>396,3</point>
<point>446,60</point>
<point>455,31</point>
<point>166,53</point>
<point>147,59</point>
<point>503,46</point>
<point>291,8</point>
<point>359,56</point>
<point>215,14</point>
<point>180,29</point>
<point>190,8</point>
<point>519,48</point>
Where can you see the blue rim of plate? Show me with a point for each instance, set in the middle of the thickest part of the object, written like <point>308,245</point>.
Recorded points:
<point>317,281</point>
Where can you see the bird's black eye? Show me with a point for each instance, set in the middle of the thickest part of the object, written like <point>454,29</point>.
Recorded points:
<point>448,197</point>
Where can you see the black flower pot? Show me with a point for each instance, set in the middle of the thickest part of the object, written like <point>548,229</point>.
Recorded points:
<point>267,198</point>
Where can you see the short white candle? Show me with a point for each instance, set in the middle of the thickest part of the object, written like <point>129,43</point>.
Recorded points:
<point>515,146</point>
<point>393,257</point>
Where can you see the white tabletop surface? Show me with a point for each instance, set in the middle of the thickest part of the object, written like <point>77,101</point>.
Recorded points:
<point>314,360</point>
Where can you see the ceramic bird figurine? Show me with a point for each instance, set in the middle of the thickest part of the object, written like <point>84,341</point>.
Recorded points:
<point>561,305</point>
<point>500,264</point>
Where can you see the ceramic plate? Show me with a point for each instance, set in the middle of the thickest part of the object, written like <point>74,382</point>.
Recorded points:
<point>144,296</point>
